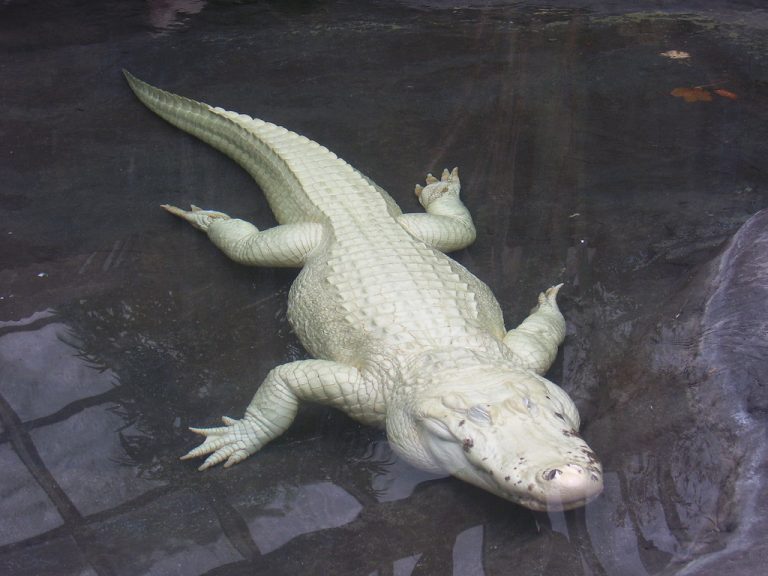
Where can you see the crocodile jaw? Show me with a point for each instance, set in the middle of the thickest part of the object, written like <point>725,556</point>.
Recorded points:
<point>507,431</point>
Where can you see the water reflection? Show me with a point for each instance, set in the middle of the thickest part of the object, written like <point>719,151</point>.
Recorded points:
<point>169,14</point>
<point>468,553</point>
<point>392,478</point>
<point>24,506</point>
<point>300,510</point>
<point>89,442</point>
<point>40,371</point>
<point>612,532</point>
<point>83,454</point>
<point>176,534</point>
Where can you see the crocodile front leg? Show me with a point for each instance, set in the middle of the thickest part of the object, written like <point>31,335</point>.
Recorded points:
<point>285,245</point>
<point>447,225</point>
<point>534,343</point>
<point>275,403</point>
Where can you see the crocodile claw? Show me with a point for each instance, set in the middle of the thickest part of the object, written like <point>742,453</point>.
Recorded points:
<point>448,185</point>
<point>548,299</point>
<point>230,443</point>
<point>174,210</point>
<point>199,218</point>
<point>550,294</point>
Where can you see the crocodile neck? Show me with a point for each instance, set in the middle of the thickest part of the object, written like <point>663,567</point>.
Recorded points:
<point>419,373</point>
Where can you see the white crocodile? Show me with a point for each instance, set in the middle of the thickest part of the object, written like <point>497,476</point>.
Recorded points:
<point>404,337</point>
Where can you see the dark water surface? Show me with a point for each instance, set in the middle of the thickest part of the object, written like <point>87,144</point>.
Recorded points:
<point>120,327</point>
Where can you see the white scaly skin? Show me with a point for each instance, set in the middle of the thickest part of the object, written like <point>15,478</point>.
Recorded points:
<point>404,337</point>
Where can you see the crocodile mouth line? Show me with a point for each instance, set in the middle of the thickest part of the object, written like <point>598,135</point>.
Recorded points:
<point>555,505</point>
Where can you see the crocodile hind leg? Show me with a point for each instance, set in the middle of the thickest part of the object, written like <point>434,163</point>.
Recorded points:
<point>285,245</point>
<point>447,225</point>
<point>534,343</point>
<point>274,407</point>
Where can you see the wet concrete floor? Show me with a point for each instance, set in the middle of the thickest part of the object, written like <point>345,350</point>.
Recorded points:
<point>120,327</point>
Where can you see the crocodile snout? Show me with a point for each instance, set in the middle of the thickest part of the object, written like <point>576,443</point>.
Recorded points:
<point>570,483</point>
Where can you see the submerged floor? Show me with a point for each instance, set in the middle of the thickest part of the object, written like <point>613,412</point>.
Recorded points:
<point>616,152</point>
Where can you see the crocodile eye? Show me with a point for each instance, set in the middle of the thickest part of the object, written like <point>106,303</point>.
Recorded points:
<point>479,414</point>
<point>532,408</point>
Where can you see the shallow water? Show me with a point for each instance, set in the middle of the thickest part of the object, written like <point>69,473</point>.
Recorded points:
<point>120,327</point>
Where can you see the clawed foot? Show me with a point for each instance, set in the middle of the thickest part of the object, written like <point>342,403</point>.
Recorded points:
<point>231,443</point>
<point>199,218</point>
<point>548,299</point>
<point>448,185</point>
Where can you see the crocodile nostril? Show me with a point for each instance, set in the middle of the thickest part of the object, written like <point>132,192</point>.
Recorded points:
<point>552,474</point>
<point>569,482</point>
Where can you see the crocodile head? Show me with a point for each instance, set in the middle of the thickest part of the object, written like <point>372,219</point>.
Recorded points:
<point>508,431</point>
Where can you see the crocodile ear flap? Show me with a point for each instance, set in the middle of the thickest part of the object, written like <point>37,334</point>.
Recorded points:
<point>430,417</point>
<point>438,428</point>
<point>455,402</point>
<point>435,407</point>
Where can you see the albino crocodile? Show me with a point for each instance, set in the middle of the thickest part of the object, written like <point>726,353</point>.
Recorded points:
<point>404,337</point>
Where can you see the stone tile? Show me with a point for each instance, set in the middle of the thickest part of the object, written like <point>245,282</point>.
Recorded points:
<point>177,534</point>
<point>24,507</point>
<point>59,556</point>
<point>297,510</point>
<point>84,455</point>
<point>40,373</point>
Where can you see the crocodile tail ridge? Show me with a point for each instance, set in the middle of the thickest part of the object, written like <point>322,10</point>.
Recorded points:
<point>226,132</point>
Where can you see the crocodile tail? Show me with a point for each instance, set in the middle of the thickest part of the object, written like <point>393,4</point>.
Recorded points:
<point>237,136</point>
